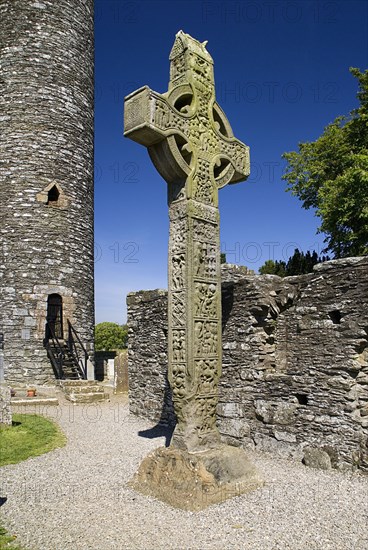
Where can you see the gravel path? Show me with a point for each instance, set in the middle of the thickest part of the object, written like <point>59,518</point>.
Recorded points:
<point>76,498</point>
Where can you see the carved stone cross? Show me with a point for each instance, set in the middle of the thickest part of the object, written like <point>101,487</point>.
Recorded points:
<point>190,142</point>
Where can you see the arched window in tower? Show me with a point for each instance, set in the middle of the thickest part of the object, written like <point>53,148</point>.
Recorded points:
<point>54,320</point>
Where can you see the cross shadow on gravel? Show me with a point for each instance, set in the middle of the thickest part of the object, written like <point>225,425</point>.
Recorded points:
<point>166,424</point>
<point>160,430</point>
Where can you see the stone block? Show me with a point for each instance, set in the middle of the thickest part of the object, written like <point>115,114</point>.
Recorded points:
<point>234,427</point>
<point>121,383</point>
<point>20,312</point>
<point>271,412</point>
<point>285,413</point>
<point>283,449</point>
<point>285,436</point>
<point>5,405</point>
<point>231,410</point>
<point>316,458</point>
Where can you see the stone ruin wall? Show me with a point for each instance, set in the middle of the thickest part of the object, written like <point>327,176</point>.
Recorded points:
<point>295,362</point>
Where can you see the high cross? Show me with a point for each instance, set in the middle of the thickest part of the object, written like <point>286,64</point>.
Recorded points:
<point>190,142</point>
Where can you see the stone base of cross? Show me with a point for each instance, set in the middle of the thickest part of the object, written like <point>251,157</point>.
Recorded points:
<point>191,143</point>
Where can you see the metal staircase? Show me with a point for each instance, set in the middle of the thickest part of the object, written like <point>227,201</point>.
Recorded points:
<point>68,357</point>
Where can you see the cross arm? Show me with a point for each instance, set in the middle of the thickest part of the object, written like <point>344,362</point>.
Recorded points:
<point>149,118</point>
<point>237,154</point>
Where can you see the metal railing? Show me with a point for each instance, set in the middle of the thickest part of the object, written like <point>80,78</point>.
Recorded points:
<point>70,355</point>
<point>55,351</point>
<point>77,350</point>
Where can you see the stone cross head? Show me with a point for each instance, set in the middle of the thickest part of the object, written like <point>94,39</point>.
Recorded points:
<point>188,136</point>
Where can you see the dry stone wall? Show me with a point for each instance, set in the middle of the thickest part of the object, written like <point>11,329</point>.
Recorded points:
<point>46,173</point>
<point>149,391</point>
<point>295,362</point>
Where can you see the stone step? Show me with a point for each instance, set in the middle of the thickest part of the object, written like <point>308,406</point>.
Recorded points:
<point>32,401</point>
<point>83,389</point>
<point>91,397</point>
<point>66,383</point>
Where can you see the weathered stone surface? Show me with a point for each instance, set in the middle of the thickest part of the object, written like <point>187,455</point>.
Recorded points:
<point>193,481</point>
<point>297,370</point>
<point>5,406</point>
<point>83,391</point>
<point>317,458</point>
<point>191,144</point>
<point>46,141</point>
<point>121,382</point>
<point>39,401</point>
<point>150,395</point>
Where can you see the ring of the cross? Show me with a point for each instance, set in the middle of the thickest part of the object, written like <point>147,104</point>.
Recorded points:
<point>172,158</point>
<point>182,98</point>
<point>220,122</point>
<point>222,170</point>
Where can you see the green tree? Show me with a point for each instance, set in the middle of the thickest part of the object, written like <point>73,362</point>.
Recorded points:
<point>331,175</point>
<point>272,267</point>
<point>298,264</point>
<point>110,336</point>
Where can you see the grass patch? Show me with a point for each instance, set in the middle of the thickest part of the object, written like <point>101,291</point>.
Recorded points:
<point>30,435</point>
<point>7,541</point>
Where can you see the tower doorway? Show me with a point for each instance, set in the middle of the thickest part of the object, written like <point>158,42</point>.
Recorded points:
<point>54,317</point>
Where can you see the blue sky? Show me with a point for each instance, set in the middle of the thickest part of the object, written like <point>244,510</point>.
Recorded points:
<point>281,73</point>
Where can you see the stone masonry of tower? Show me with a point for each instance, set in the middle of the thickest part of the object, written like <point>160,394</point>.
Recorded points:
<point>46,177</point>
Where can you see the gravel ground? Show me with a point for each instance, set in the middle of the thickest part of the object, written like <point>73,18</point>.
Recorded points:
<point>76,498</point>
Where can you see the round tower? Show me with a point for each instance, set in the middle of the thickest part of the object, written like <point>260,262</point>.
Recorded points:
<point>46,184</point>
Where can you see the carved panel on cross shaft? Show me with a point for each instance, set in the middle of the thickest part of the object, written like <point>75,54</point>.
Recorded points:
<point>204,260</point>
<point>204,231</point>
<point>207,374</point>
<point>203,212</point>
<point>178,309</point>
<point>205,300</point>
<point>178,380</point>
<point>206,412</point>
<point>178,346</point>
<point>178,271</point>
<point>177,211</point>
<point>205,338</point>
<point>178,231</point>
